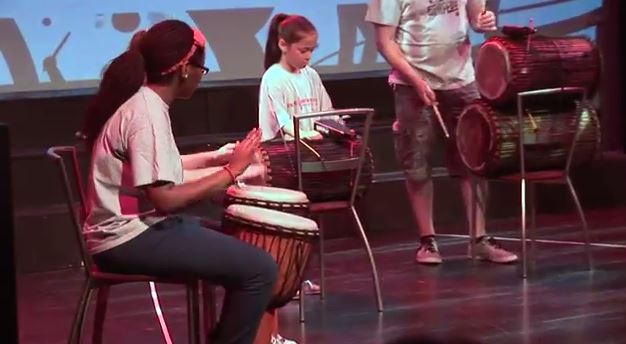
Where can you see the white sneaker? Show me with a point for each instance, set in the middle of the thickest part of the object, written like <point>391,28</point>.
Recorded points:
<point>278,339</point>
<point>488,249</point>
<point>427,252</point>
<point>310,288</point>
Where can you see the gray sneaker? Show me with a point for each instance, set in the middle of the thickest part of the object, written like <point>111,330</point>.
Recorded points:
<point>427,252</point>
<point>488,249</point>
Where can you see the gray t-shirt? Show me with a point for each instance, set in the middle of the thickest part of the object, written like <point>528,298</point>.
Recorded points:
<point>284,94</point>
<point>135,148</point>
<point>433,35</point>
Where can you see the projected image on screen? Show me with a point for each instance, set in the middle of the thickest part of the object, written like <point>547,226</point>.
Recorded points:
<point>65,44</point>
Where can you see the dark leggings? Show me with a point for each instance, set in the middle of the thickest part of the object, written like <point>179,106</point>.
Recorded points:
<point>181,246</point>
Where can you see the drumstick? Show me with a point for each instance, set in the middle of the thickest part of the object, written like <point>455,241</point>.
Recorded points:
<point>532,121</point>
<point>440,119</point>
<point>311,149</point>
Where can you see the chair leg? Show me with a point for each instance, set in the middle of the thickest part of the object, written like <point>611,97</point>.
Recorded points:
<point>370,254</point>
<point>532,229</point>
<point>81,310</point>
<point>193,311</point>
<point>318,219</point>
<point>583,220</point>
<point>523,220</point>
<point>472,218</point>
<point>208,308</point>
<point>101,310</point>
<point>301,302</point>
<point>321,257</point>
<point>159,312</point>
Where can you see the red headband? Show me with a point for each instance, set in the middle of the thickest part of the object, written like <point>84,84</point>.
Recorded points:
<point>198,41</point>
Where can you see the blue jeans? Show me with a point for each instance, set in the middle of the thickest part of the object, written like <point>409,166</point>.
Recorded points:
<point>416,129</point>
<point>181,246</point>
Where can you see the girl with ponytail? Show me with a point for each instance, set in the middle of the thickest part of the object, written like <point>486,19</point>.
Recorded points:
<point>289,85</point>
<point>139,182</point>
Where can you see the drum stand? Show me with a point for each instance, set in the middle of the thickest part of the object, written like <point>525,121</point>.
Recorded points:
<point>553,176</point>
<point>320,207</point>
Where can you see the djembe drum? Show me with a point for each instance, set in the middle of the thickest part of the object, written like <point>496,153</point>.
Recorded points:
<point>287,237</point>
<point>488,139</point>
<point>506,66</point>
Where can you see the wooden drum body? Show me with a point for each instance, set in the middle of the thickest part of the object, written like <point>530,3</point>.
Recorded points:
<point>288,238</point>
<point>507,66</point>
<point>326,183</point>
<point>488,140</point>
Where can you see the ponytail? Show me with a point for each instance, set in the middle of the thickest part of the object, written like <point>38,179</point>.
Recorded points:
<point>150,53</point>
<point>121,80</point>
<point>290,28</point>
<point>272,51</point>
<point>136,40</point>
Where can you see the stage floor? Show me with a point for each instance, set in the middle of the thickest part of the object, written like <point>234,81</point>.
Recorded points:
<point>561,302</point>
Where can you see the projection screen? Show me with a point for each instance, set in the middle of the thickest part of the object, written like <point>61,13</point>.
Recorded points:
<point>65,44</point>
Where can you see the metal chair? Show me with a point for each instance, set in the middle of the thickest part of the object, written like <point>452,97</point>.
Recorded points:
<point>96,280</point>
<point>532,178</point>
<point>318,208</point>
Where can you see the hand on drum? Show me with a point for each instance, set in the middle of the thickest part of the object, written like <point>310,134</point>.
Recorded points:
<point>224,153</point>
<point>255,174</point>
<point>311,135</point>
<point>245,151</point>
<point>486,21</point>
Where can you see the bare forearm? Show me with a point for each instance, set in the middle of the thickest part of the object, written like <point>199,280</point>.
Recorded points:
<point>474,8</point>
<point>480,18</point>
<point>385,39</point>
<point>200,160</point>
<point>395,57</point>
<point>289,131</point>
<point>169,198</point>
<point>195,174</point>
<point>172,198</point>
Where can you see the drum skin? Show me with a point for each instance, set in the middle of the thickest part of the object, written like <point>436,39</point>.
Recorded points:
<point>285,200</point>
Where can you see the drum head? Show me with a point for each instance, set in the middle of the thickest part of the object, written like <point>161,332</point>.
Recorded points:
<point>493,70</point>
<point>475,137</point>
<point>272,218</point>
<point>267,193</point>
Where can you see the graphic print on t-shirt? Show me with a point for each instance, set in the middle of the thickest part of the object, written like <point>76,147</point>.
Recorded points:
<point>439,7</point>
<point>304,105</point>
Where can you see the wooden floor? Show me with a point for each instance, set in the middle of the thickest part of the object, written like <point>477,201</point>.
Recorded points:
<point>561,302</point>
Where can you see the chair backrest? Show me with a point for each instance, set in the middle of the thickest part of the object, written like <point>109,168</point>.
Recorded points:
<point>356,164</point>
<point>70,174</point>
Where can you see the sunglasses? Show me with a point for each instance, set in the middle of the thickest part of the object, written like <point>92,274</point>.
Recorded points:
<point>205,70</point>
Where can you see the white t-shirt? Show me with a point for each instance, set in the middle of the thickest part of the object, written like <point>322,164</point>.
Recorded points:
<point>136,147</point>
<point>433,35</point>
<point>284,94</point>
